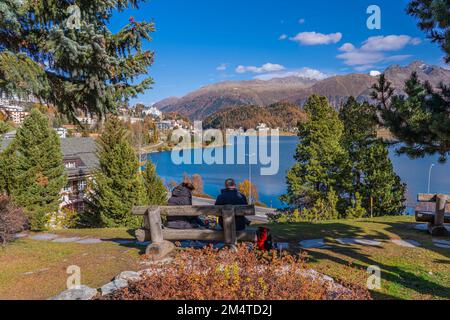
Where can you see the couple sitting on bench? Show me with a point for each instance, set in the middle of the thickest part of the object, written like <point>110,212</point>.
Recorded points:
<point>182,196</point>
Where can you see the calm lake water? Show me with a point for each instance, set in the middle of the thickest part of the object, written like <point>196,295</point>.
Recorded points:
<point>413,172</point>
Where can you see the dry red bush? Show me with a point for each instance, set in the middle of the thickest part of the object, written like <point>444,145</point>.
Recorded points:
<point>12,220</point>
<point>209,274</point>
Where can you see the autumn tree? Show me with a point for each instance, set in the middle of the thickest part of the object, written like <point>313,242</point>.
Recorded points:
<point>197,181</point>
<point>247,188</point>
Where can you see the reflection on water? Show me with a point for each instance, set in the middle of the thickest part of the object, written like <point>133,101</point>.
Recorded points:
<point>413,172</point>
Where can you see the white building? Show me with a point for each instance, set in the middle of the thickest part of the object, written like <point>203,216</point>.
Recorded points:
<point>262,127</point>
<point>87,120</point>
<point>152,111</point>
<point>131,120</point>
<point>15,113</point>
<point>62,132</point>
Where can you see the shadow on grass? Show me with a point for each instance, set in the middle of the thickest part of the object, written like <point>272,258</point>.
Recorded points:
<point>395,274</point>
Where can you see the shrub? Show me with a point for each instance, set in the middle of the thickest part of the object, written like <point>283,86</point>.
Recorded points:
<point>65,219</point>
<point>209,274</point>
<point>12,220</point>
<point>357,210</point>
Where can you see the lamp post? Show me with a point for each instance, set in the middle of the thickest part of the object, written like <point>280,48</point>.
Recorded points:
<point>250,196</point>
<point>429,176</point>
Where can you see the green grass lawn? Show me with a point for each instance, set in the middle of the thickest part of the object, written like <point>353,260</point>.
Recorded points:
<point>407,273</point>
<point>31,269</point>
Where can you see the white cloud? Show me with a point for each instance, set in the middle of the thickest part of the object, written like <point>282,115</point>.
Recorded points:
<point>389,43</point>
<point>315,38</point>
<point>268,67</point>
<point>374,73</point>
<point>222,67</point>
<point>283,37</point>
<point>373,51</point>
<point>302,73</point>
<point>347,47</point>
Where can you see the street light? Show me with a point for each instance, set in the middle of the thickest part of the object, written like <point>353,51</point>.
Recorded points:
<point>429,176</point>
<point>250,196</point>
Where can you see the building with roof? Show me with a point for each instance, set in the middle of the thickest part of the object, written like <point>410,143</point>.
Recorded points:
<point>80,159</point>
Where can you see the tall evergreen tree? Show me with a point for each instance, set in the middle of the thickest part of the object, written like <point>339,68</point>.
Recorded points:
<point>8,165</point>
<point>155,191</point>
<point>3,128</point>
<point>370,169</point>
<point>64,53</point>
<point>434,19</point>
<point>39,171</point>
<point>421,120</point>
<point>320,157</point>
<point>3,175</point>
<point>117,184</point>
<point>381,183</point>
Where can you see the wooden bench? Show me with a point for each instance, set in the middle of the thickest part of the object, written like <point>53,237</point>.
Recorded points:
<point>437,219</point>
<point>160,247</point>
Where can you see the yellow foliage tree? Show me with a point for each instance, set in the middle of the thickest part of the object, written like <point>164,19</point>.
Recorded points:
<point>244,188</point>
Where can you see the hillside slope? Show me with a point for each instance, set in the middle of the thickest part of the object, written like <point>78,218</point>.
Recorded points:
<point>201,103</point>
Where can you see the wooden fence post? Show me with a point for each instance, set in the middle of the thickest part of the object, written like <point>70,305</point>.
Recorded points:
<point>229,226</point>
<point>159,248</point>
<point>438,228</point>
<point>155,224</point>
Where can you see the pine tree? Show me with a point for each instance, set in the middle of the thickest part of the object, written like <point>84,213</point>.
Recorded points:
<point>434,19</point>
<point>3,128</point>
<point>370,168</point>
<point>155,191</point>
<point>421,120</point>
<point>70,60</point>
<point>320,157</point>
<point>381,182</point>
<point>356,210</point>
<point>117,184</point>
<point>39,171</point>
<point>8,165</point>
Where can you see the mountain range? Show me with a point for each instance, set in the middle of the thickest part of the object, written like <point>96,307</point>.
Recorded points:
<point>201,103</point>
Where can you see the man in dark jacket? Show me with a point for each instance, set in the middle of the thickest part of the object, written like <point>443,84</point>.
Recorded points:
<point>182,196</point>
<point>230,195</point>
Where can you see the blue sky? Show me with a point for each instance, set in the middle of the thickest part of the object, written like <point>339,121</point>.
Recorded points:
<point>200,42</point>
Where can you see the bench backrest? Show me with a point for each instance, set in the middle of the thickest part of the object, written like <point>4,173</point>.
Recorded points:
<point>153,222</point>
<point>194,211</point>
<point>427,202</point>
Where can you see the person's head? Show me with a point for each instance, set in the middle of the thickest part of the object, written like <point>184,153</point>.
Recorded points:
<point>230,184</point>
<point>188,185</point>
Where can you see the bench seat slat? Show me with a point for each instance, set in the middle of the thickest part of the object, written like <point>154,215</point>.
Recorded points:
<point>425,216</point>
<point>207,235</point>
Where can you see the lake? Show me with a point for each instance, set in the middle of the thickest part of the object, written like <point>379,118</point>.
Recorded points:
<point>413,172</point>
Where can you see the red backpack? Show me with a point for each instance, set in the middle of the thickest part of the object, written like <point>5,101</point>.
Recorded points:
<point>264,239</point>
